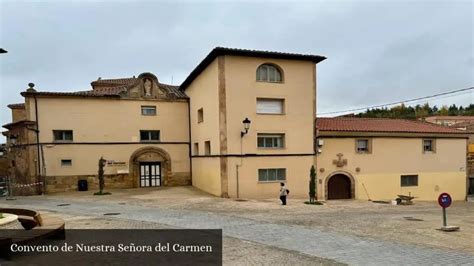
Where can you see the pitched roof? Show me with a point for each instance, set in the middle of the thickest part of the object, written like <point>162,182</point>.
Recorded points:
<point>244,52</point>
<point>16,106</point>
<point>381,125</point>
<point>108,88</point>
<point>20,122</point>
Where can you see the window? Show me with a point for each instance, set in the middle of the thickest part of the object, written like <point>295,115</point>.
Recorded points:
<point>269,73</point>
<point>409,180</point>
<point>428,146</point>
<point>196,148</point>
<point>149,135</point>
<point>270,106</point>
<point>270,140</point>
<point>148,110</point>
<point>66,162</point>
<point>272,175</point>
<point>62,135</point>
<point>362,146</point>
<point>207,148</point>
<point>200,115</point>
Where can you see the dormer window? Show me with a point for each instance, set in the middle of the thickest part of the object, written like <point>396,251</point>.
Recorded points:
<point>269,73</point>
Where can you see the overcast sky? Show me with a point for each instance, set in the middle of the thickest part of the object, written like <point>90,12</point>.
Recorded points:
<point>378,51</point>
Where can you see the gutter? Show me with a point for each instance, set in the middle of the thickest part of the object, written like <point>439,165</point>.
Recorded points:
<point>37,137</point>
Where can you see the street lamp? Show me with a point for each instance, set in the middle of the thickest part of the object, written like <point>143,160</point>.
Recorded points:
<point>246,123</point>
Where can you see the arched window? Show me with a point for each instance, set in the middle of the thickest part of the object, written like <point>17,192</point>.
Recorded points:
<point>269,73</point>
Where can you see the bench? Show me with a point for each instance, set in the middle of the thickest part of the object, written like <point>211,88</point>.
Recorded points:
<point>36,226</point>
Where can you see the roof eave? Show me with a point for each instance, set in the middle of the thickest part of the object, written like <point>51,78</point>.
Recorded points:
<point>218,51</point>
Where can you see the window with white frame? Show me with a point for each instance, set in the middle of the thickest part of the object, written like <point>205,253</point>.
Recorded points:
<point>272,175</point>
<point>270,140</point>
<point>148,110</point>
<point>270,106</point>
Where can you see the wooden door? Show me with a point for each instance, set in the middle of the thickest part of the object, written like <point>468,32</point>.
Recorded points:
<point>339,187</point>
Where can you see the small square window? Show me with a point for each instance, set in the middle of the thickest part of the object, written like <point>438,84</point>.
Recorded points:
<point>207,148</point>
<point>200,115</point>
<point>362,146</point>
<point>149,135</point>
<point>66,162</point>
<point>409,180</point>
<point>148,110</point>
<point>428,146</point>
<point>62,135</point>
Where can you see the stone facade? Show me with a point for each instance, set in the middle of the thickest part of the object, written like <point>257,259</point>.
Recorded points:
<point>56,184</point>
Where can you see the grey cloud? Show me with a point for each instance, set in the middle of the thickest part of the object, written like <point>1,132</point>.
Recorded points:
<point>377,51</point>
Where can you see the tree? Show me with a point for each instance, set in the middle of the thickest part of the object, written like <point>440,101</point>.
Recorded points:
<point>312,185</point>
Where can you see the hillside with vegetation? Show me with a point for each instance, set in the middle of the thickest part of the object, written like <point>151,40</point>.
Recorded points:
<point>416,112</point>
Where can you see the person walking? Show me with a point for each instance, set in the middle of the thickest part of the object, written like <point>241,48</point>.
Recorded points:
<point>283,193</point>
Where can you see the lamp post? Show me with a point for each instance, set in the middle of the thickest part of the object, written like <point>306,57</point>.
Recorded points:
<point>246,123</point>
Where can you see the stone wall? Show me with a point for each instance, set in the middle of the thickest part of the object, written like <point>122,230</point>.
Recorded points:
<point>69,183</point>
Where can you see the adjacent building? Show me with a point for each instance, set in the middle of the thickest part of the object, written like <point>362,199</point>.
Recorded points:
<point>242,122</point>
<point>371,158</point>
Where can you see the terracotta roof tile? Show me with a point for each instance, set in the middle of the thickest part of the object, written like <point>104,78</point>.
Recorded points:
<point>122,81</point>
<point>383,125</point>
<point>110,88</point>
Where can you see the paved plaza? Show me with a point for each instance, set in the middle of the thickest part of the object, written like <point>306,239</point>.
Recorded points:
<point>303,243</point>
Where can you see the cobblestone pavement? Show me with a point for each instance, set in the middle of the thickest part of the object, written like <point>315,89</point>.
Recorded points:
<point>236,251</point>
<point>348,249</point>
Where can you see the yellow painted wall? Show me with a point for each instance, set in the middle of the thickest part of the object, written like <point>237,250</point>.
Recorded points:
<point>203,93</point>
<point>85,158</point>
<point>443,171</point>
<point>242,91</point>
<point>206,175</point>
<point>101,121</point>
<point>110,120</point>
<point>297,175</point>
<point>386,186</point>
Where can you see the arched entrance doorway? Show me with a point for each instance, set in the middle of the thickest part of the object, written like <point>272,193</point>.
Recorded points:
<point>339,186</point>
<point>150,167</point>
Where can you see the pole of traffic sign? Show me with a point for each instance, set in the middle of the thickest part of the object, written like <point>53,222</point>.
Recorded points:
<point>444,217</point>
